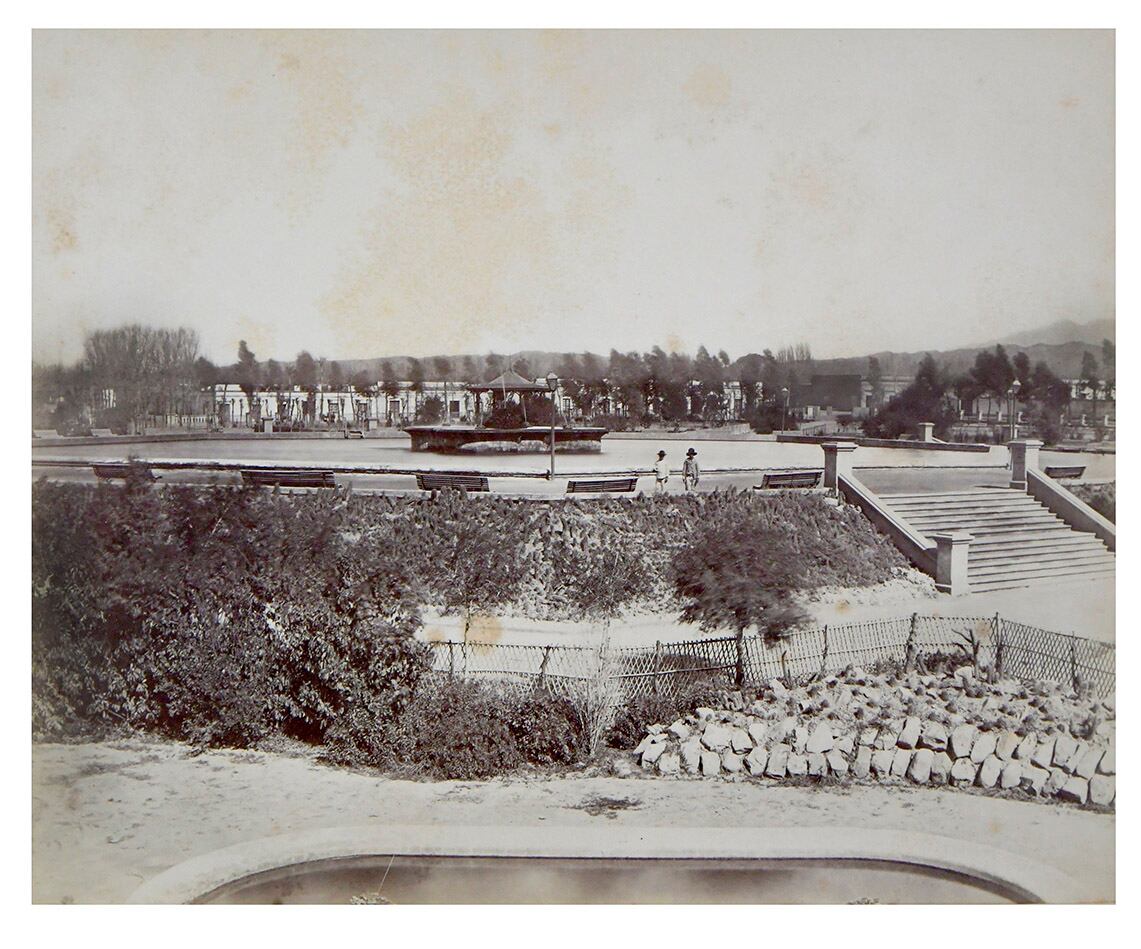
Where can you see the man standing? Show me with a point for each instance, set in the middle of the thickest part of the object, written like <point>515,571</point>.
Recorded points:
<point>690,474</point>
<point>661,473</point>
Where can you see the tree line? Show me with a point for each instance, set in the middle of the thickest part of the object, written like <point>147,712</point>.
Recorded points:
<point>934,394</point>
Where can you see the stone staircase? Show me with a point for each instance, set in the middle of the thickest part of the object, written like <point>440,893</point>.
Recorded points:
<point>1017,541</point>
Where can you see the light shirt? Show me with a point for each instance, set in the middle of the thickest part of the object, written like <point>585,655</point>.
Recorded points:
<point>689,468</point>
<point>661,469</point>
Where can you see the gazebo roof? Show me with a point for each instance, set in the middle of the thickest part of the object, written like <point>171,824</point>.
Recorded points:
<point>510,381</point>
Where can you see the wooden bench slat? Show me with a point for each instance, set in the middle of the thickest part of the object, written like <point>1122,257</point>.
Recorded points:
<point>603,486</point>
<point>790,479</point>
<point>440,482</point>
<point>353,433</point>
<point>44,433</point>
<point>288,478</point>
<point>1065,471</point>
<point>102,432</point>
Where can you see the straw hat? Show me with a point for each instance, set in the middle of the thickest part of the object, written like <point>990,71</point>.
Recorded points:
<point>690,453</point>
<point>661,454</point>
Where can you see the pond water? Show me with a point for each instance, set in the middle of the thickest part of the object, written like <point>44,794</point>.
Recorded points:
<point>500,880</point>
<point>618,454</point>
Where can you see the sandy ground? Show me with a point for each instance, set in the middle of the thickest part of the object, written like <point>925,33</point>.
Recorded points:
<point>108,816</point>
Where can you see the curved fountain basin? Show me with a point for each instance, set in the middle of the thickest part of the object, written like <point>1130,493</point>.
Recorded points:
<point>435,864</point>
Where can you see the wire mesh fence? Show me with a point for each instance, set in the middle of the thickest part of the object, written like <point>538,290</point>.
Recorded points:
<point>1008,648</point>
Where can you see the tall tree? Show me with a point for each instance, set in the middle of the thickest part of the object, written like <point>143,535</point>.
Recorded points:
<point>1089,378</point>
<point>336,376</point>
<point>1109,367</point>
<point>305,377</point>
<point>875,381</point>
<point>249,378</point>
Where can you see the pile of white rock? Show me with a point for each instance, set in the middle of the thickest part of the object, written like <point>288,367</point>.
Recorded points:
<point>931,748</point>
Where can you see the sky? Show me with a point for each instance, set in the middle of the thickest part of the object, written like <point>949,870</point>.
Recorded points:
<point>376,193</point>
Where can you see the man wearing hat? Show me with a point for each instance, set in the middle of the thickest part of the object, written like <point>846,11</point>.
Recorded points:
<point>661,473</point>
<point>690,474</point>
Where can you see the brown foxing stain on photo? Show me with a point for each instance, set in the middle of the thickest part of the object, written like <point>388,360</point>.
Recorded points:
<point>483,632</point>
<point>460,243</point>
<point>434,634</point>
<point>674,344</point>
<point>708,86</point>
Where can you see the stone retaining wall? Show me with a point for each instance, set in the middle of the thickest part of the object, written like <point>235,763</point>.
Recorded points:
<point>1035,739</point>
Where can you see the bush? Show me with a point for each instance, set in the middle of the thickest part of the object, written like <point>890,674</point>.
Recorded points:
<point>431,411</point>
<point>1101,497</point>
<point>636,716</point>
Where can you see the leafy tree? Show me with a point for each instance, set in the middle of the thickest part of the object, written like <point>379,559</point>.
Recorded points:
<point>523,367</point>
<point>738,573</point>
<point>431,410</point>
<point>924,400</point>
<point>1089,379</point>
<point>305,377</point>
<point>1021,364</point>
<point>249,377</point>
<point>1109,365</point>
<point>875,381</point>
<point>416,375</point>
<point>336,376</point>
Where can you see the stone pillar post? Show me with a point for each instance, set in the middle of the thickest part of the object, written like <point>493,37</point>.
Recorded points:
<point>926,431</point>
<point>1023,455</point>
<point>837,461</point>
<point>951,562</point>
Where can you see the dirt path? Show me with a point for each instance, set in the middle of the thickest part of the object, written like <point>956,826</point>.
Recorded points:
<point>108,816</point>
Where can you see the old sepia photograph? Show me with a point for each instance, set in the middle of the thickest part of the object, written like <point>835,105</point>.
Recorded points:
<point>573,466</point>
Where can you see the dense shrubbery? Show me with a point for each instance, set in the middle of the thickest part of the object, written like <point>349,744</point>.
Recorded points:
<point>1101,497</point>
<point>633,718</point>
<point>228,615</point>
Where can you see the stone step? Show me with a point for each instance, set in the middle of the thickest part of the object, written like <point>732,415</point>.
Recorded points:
<point>970,493</point>
<point>1002,555</point>
<point>965,521</point>
<point>1010,583</point>
<point>965,507</point>
<point>1056,541</point>
<point>1014,568</point>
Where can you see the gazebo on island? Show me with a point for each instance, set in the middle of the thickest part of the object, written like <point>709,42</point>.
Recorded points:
<point>508,382</point>
<point>528,438</point>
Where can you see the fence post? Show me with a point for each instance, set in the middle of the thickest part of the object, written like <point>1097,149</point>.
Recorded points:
<point>451,659</point>
<point>999,661</point>
<point>1073,662</point>
<point>909,649</point>
<point>657,665</point>
<point>740,670</point>
<point>543,666</point>
<point>824,657</point>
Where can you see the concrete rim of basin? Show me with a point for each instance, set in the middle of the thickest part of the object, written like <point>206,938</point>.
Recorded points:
<point>200,876</point>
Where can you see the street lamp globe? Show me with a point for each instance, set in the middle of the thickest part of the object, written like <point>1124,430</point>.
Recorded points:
<point>552,381</point>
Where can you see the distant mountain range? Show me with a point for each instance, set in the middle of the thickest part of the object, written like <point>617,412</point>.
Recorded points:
<point>1060,345</point>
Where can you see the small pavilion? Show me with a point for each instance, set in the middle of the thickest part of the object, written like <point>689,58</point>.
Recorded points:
<point>506,383</point>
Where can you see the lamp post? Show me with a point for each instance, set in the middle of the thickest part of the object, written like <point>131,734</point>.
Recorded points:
<point>552,384</point>
<point>1012,396</point>
<point>784,416</point>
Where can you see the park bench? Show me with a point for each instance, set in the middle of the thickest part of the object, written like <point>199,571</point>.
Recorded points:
<point>121,470</point>
<point>102,432</point>
<point>604,486</point>
<point>462,482</point>
<point>790,479</point>
<point>1065,471</point>
<point>288,478</point>
<point>353,433</point>
<point>44,433</point>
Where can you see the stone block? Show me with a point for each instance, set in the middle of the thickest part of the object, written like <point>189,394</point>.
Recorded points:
<point>900,762</point>
<point>983,747</point>
<point>1102,789</point>
<point>705,714</point>
<point>1108,763</point>
<point>1033,778</point>
<point>740,741</point>
<point>669,763</point>
<point>731,761</point>
<point>691,755</point>
<point>909,734</point>
<point>799,738</point>
<point>1026,747</point>
<point>797,765</point>
<point>1011,775</point>
<point>716,737</point>
<point>1064,746</point>
<point>756,760</point>
<point>1058,777</point>
<point>941,764</point>
<point>817,764</point>
<point>868,737</point>
<point>710,763</point>
<point>919,770</point>
<point>934,736</point>
<point>989,771</point>
<point>1007,744</point>
<point>881,762</point>
<point>962,740</point>
<point>837,763</point>
<point>886,738</point>
<point>963,772</point>
<point>1087,767</point>
<point>652,753</point>
<point>1043,755</point>
<point>845,745</point>
<point>1075,789</point>
<point>781,730</point>
<point>777,765</point>
<point>1075,759</point>
<point>679,729</point>
<point>758,732</point>
<point>821,739</point>
<point>862,766</point>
